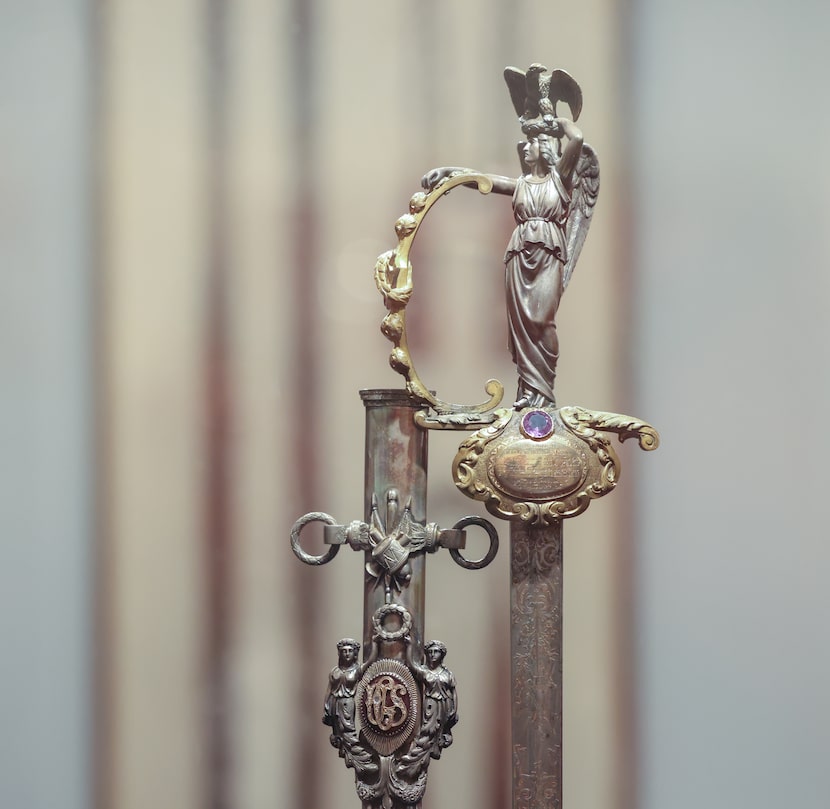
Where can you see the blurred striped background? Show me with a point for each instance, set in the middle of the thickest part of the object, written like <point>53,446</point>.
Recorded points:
<point>192,197</point>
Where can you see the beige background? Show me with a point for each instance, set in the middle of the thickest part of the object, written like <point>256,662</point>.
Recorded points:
<point>192,196</point>
<point>315,132</point>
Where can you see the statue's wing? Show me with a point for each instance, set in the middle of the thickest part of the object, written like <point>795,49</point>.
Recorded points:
<point>517,85</point>
<point>583,199</point>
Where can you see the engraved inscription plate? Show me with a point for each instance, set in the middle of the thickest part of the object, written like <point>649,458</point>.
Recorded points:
<point>544,465</point>
<point>388,705</point>
<point>539,470</point>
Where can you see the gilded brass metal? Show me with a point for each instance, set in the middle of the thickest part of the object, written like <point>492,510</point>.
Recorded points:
<point>544,480</point>
<point>585,423</point>
<point>394,279</point>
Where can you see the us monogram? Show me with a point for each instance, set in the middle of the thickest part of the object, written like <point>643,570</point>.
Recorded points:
<point>384,703</point>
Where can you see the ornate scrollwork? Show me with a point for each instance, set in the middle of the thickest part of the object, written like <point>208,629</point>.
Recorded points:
<point>542,465</point>
<point>390,718</point>
<point>389,538</point>
<point>389,704</point>
<point>536,647</point>
<point>454,421</point>
<point>393,276</point>
<point>584,422</point>
<point>535,559</point>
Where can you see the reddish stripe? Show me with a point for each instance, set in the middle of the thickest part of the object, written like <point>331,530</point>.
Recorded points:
<point>218,549</point>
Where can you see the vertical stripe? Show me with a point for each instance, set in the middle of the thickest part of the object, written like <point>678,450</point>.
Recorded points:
<point>260,331</point>
<point>625,281</point>
<point>305,406</point>
<point>156,265</point>
<point>218,556</point>
<point>46,431</point>
<point>733,343</point>
<point>103,758</point>
<point>211,355</point>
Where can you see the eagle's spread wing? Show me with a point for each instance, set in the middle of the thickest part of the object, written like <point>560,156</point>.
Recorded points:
<point>563,87</point>
<point>517,86</point>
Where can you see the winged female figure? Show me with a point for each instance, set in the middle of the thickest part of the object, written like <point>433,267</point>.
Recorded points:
<point>553,202</point>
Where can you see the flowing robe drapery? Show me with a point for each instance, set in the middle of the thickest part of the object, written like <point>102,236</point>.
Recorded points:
<point>534,261</point>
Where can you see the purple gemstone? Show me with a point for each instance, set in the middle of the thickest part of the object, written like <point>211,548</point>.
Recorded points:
<point>537,424</point>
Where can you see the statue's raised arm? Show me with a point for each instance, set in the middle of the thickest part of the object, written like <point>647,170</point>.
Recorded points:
<point>501,185</point>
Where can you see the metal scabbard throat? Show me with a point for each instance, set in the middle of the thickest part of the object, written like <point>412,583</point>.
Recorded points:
<point>533,464</point>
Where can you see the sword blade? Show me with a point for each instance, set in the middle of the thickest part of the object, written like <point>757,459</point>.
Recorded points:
<point>536,669</point>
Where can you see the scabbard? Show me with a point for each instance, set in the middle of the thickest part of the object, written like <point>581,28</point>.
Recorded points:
<point>396,459</point>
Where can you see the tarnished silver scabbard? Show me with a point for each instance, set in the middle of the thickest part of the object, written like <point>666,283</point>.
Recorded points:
<point>393,713</point>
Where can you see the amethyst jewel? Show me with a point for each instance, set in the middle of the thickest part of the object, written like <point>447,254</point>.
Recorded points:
<point>537,424</point>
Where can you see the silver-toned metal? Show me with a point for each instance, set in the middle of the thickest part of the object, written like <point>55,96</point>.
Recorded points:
<point>339,710</point>
<point>389,550</point>
<point>536,667</point>
<point>492,550</point>
<point>310,559</point>
<point>440,704</point>
<point>402,627</point>
<point>533,464</point>
<point>394,713</point>
<point>357,534</point>
<point>390,717</point>
<point>553,202</point>
<point>395,468</point>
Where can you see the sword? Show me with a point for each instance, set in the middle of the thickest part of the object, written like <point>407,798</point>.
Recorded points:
<point>534,465</point>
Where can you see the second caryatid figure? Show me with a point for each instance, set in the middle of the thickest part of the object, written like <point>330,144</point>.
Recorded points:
<point>553,202</point>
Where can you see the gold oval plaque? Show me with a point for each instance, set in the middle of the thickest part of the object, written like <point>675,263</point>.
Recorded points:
<point>543,469</point>
<point>539,470</point>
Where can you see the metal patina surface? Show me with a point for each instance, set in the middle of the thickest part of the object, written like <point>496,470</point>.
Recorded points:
<point>392,714</point>
<point>534,464</point>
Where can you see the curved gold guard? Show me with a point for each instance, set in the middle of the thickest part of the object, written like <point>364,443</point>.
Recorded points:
<point>393,276</point>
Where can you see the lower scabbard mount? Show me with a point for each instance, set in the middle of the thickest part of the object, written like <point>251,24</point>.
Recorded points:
<point>388,717</point>
<point>392,714</point>
<point>540,465</point>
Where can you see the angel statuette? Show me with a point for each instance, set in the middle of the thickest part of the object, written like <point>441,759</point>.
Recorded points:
<point>553,202</point>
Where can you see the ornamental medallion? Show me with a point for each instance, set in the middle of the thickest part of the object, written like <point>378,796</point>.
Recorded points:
<point>388,705</point>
